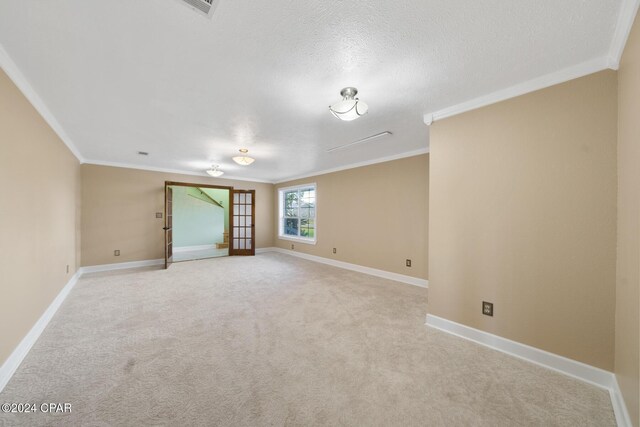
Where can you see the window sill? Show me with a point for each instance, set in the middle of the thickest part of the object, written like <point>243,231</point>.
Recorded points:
<point>298,239</point>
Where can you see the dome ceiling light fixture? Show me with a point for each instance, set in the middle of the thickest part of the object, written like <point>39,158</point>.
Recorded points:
<point>243,159</point>
<point>350,108</point>
<point>214,171</point>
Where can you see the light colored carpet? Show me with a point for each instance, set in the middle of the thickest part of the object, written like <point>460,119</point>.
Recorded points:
<point>274,340</point>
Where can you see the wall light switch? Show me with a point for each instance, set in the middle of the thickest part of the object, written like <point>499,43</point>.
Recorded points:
<point>158,214</point>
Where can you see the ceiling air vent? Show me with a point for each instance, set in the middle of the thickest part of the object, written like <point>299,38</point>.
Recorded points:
<point>206,7</point>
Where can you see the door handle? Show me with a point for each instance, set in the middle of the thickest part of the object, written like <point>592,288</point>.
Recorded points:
<point>165,228</point>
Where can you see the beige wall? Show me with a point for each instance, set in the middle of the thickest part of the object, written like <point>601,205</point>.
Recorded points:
<point>119,207</point>
<point>523,214</point>
<point>375,216</point>
<point>39,218</point>
<point>628,281</point>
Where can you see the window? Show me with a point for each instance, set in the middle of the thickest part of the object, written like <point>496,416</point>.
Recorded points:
<point>298,213</point>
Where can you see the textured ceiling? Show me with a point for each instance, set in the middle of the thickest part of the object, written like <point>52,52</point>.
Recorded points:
<point>152,75</point>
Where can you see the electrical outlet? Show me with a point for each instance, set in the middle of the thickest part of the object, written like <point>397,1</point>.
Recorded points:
<point>408,263</point>
<point>334,250</point>
<point>292,247</point>
<point>158,214</point>
<point>116,252</point>
<point>487,308</point>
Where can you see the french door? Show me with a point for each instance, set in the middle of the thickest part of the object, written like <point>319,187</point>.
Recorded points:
<point>168,226</point>
<point>241,220</point>
<point>243,231</point>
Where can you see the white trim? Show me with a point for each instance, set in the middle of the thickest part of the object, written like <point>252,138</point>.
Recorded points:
<point>21,82</point>
<point>569,367</point>
<point>20,352</point>
<point>267,249</point>
<point>354,267</point>
<point>626,16</point>
<point>356,165</point>
<point>167,170</point>
<point>298,186</point>
<point>575,369</point>
<point>399,156</point>
<point>298,239</point>
<point>538,83</point>
<point>179,249</point>
<point>619,406</point>
<point>14,360</point>
<point>14,73</point>
<point>10,366</point>
<point>121,266</point>
<point>587,373</point>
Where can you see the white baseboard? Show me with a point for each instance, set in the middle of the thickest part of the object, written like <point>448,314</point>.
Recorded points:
<point>263,250</point>
<point>121,266</point>
<point>10,366</point>
<point>178,249</point>
<point>619,406</point>
<point>582,371</point>
<point>575,369</point>
<point>14,360</point>
<point>17,356</point>
<point>353,267</point>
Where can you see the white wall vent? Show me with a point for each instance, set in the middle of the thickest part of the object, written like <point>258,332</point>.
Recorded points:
<point>206,7</point>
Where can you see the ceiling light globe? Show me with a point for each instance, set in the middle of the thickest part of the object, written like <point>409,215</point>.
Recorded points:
<point>215,173</point>
<point>349,108</point>
<point>243,160</point>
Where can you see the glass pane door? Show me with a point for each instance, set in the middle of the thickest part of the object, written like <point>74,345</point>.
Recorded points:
<point>243,220</point>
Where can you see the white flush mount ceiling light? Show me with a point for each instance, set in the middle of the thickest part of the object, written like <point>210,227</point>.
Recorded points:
<point>214,172</point>
<point>243,159</point>
<point>350,108</point>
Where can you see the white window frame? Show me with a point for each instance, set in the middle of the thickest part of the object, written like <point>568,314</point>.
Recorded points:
<point>281,235</point>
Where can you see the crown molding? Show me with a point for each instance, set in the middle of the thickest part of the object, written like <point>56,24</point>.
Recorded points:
<point>237,178</point>
<point>14,73</point>
<point>167,170</point>
<point>626,17</point>
<point>357,165</point>
<point>561,76</point>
